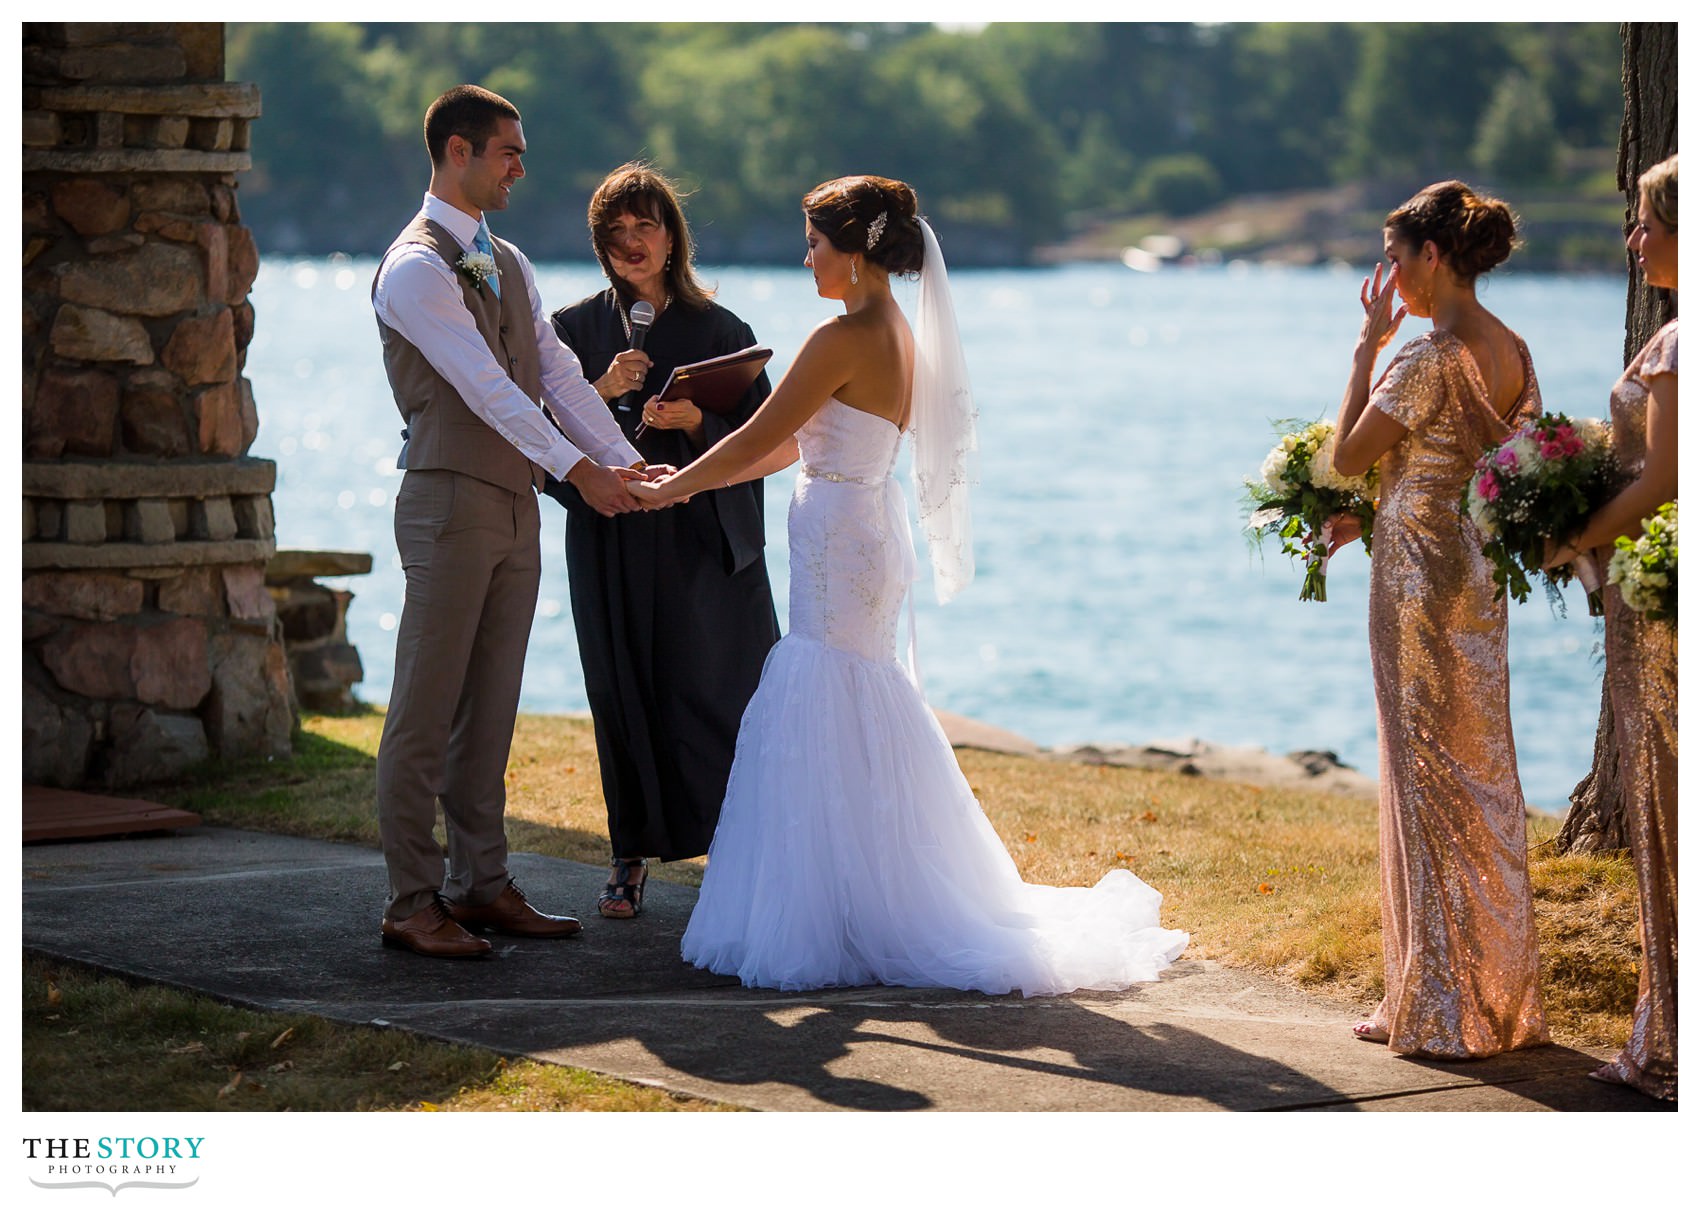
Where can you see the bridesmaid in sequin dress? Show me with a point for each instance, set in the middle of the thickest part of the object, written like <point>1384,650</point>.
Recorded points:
<point>1641,652</point>
<point>1457,918</point>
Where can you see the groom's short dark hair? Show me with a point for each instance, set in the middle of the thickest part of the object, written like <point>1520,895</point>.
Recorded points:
<point>468,111</point>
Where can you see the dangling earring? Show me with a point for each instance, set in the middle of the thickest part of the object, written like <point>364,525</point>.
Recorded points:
<point>853,279</point>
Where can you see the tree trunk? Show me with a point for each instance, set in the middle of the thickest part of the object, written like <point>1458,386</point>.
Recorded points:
<point>1595,821</point>
<point>1648,136</point>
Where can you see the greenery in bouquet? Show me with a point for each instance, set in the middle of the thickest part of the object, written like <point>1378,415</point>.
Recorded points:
<point>1540,485</point>
<point>1644,568</point>
<point>1297,491</point>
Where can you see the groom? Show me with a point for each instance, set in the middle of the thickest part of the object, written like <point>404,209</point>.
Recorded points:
<point>471,357</point>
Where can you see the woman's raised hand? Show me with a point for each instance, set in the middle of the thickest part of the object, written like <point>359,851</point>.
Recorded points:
<point>625,374</point>
<point>1380,320</point>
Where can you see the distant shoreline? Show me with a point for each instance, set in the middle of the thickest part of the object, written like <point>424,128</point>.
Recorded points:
<point>1559,233</point>
<point>1315,770</point>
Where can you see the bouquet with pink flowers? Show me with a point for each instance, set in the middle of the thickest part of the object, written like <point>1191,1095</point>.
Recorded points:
<point>1540,484</point>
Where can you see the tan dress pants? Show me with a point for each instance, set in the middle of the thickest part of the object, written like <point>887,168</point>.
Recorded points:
<point>470,554</point>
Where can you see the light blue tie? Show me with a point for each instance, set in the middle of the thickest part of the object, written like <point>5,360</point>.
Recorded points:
<point>481,242</point>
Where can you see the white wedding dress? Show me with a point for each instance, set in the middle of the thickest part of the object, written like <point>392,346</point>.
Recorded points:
<point>850,850</point>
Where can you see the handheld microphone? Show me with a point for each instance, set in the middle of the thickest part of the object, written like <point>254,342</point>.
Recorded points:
<point>642,316</point>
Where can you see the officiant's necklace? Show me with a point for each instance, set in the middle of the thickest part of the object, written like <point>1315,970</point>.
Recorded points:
<point>626,320</point>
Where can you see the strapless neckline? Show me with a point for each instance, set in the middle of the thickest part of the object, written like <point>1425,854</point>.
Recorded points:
<point>864,412</point>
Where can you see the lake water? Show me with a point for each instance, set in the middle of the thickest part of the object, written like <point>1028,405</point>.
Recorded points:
<point>1117,599</point>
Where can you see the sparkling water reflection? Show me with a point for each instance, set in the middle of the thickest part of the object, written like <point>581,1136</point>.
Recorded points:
<point>1117,599</point>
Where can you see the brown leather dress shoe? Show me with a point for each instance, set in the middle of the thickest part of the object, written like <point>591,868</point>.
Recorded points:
<point>512,914</point>
<point>431,932</point>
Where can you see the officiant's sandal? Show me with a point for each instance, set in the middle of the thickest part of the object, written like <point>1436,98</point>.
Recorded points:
<point>622,897</point>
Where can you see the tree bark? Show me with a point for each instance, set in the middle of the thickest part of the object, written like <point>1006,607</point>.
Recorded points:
<point>1595,821</point>
<point>1648,135</point>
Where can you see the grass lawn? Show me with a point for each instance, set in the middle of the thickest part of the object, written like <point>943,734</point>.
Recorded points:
<point>1266,878</point>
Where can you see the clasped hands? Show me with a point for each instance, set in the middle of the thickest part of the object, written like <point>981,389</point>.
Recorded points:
<point>652,492</point>
<point>606,489</point>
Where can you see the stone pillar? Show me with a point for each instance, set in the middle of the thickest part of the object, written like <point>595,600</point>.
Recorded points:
<point>323,665</point>
<point>150,641</point>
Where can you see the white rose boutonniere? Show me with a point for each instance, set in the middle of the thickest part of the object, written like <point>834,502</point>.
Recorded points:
<point>477,267</point>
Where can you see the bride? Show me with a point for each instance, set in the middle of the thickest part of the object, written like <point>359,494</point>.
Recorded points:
<point>850,850</point>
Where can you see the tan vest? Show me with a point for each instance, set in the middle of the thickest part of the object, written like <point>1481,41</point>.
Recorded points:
<point>441,431</point>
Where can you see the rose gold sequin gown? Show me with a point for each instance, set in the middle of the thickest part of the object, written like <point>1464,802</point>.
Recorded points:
<point>1457,919</point>
<point>1641,680</point>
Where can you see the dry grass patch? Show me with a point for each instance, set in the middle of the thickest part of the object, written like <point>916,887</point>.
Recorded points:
<point>1585,912</point>
<point>1277,880</point>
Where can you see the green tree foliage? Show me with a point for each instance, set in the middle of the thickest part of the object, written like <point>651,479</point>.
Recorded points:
<point>1412,108</point>
<point>1183,184</point>
<point>1579,68</point>
<point>1097,173</point>
<point>1518,138</point>
<point>1010,132</point>
<point>320,142</point>
<point>1280,121</point>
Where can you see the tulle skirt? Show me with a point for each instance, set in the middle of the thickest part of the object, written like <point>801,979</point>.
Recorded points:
<point>850,851</point>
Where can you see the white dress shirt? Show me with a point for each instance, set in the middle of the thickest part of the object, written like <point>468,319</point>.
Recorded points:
<point>419,297</point>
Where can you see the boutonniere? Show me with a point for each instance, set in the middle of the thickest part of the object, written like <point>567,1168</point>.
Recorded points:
<point>477,267</point>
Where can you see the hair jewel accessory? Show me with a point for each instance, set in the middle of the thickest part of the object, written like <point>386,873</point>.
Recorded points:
<point>876,229</point>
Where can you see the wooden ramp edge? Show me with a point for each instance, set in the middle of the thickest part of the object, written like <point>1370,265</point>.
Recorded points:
<point>57,814</point>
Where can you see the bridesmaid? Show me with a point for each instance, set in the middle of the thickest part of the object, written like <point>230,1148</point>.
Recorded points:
<point>1457,919</point>
<point>1641,652</point>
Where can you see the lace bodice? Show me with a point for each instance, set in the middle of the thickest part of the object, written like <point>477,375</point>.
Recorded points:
<point>852,557</point>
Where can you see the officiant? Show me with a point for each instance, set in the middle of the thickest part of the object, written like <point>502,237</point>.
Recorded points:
<point>673,609</point>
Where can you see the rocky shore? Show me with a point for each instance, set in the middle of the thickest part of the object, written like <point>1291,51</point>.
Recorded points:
<point>1317,770</point>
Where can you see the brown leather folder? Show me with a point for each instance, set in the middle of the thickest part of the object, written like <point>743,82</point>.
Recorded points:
<point>717,384</point>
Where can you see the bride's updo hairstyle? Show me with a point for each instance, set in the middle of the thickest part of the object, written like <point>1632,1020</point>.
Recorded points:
<point>1474,233</point>
<point>848,210</point>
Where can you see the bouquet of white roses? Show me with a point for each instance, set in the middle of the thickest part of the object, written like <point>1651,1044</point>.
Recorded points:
<point>1298,491</point>
<point>1540,484</point>
<point>1644,569</point>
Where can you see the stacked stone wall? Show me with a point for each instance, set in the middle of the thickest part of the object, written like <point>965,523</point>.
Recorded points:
<point>150,640</point>
<point>323,666</point>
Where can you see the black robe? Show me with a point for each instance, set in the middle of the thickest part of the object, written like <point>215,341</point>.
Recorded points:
<point>672,607</point>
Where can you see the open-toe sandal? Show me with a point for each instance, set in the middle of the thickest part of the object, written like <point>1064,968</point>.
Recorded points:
<point>1369,1030</point>
<point>1611,1073</point>
<point>622,896</point>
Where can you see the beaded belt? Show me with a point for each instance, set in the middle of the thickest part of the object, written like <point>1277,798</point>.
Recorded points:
<point>900,526</point>
<point>838,477</point>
